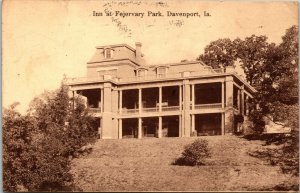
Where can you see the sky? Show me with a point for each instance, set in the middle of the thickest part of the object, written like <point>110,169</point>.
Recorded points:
<point>43,40</point>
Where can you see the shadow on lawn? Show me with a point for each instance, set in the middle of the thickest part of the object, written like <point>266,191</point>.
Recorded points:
<point>269,138</point>
<point>282,154</point>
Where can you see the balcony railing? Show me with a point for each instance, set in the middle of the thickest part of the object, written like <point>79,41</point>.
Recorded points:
<point>151,110</point>
<point>171,108</point>
<point>207,106</point>
<point>164,109</point>
<point>83,79</point>
<point>205,71</point>
<point>130,111</point>
<point>94,110</point>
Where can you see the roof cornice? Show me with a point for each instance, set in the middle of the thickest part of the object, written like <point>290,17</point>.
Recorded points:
<point>114,60</point>
<point>115,46</point>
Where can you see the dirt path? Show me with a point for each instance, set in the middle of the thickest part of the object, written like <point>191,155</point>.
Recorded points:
<point>146,165</point>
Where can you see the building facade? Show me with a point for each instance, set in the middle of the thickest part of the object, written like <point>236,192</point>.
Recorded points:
<point>133,99</point>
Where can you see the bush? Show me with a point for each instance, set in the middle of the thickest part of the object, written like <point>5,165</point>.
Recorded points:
<point>194,154</point>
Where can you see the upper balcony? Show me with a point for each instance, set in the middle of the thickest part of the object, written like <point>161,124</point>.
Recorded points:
<point>150,100</point>
<point>206,71</point>
<point>150,110</point>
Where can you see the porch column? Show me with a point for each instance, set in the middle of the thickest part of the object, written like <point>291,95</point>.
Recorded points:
<point>120,101</point>
<point>193,123</point>
<point>107,123</point>
<point>140,128</point>
<point>181,121</point>
<point>223,124</point>
<point>180,126</point>
<point>140,100</point>
<point>159,127</point>
<point>193,98</point>
<point>242,101</point>
<point>239,100</point>
<point>187,104</point>
<point>229,115</point>
<point>120,128</point>
<point>222,93</point>
<point>180,97</point>
<point>101,102</point>
<point>247,107</point>
<point>160,99</point>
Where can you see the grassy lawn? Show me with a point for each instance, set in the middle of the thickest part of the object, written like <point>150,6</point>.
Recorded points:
<point>146,165</point>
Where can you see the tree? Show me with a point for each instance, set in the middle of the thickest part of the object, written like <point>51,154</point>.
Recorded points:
<point>38,146</point>
<point>16,130</point>
<point>51,109</point>
<point>251,53</point>
<point>220,53</point>
<point>278,77</point>
<point>288,81</point>
<point>272,69</point>
<point>76,126</point>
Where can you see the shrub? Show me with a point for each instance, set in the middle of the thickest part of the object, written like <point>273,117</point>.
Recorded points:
<point>194,153</point>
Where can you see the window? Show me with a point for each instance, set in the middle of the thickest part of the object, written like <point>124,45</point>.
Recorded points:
<point>108,53</point>
<point>141,73</point>
<point>161,72</point>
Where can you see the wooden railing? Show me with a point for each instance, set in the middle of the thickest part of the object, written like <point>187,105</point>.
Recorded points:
<point>207,106</point>
<point>130,111</point>
<point>205,71</point>
<point>94,110</point>
<point>151,110</point>
<point>164,109</point>
<point>171,108</point>
<point>83,79</point>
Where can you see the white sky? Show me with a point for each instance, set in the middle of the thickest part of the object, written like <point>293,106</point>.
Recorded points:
<point>42,40</point>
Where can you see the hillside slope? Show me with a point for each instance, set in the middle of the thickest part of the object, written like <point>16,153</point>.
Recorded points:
<point>146,165</point>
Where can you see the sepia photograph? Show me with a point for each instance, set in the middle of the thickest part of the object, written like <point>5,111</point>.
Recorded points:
<point>160,96</point>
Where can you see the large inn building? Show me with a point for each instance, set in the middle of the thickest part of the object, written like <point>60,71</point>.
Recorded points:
<point>135,100</point>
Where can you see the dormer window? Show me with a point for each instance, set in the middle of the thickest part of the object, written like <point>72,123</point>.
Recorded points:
<point>141,73</point>
<point>161,71</point>
<point>108,53</point>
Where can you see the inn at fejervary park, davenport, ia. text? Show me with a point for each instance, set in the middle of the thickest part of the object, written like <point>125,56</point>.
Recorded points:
<point>151,14</point>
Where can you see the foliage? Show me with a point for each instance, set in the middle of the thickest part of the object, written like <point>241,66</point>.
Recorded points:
<point>16,145</point>
<point>252,53</point>
<point>273,71</point>
<point>278,89</point>
<point>37,147</point>
<point>194,153</point>
<point>278,96</point>
<point>220,53</point>
<point>49,168</point>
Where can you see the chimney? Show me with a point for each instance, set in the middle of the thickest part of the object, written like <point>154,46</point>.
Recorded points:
<point>138,52</point>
